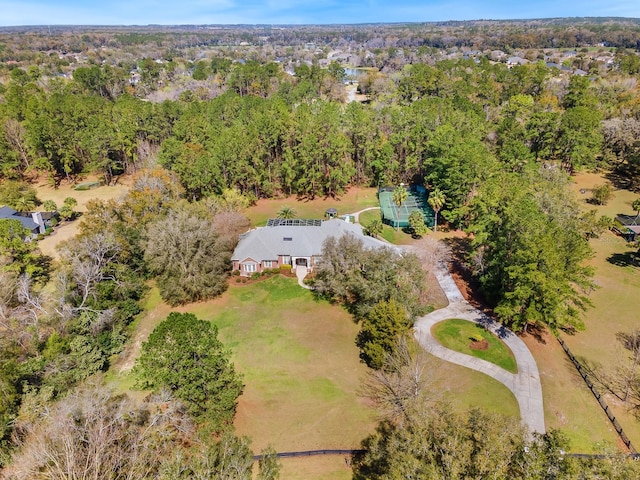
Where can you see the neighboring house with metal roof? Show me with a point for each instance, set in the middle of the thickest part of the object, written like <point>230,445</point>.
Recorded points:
<point>292,242</point>
<point>32,221</point>
<point>628,226</point>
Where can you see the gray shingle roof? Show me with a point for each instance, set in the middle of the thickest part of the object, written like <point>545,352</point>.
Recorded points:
<point>268,243</point>
<point>9,213</point>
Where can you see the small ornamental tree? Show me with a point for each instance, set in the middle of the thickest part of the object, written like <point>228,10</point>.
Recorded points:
<point>66,211</point>
<point>602,194</point>
<point>379,332</point>
<point>49,206</point>
<point>183,354</point>
<point>416,220</point>
<point>374,227</point>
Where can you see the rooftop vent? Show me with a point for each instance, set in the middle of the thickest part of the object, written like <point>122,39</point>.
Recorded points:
<point>288,239</point>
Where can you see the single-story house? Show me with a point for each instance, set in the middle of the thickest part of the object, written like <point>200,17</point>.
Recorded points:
<point>293,242</point>
<point>33,221</point>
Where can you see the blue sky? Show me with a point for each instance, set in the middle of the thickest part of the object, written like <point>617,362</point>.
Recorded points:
<point>143,12</point>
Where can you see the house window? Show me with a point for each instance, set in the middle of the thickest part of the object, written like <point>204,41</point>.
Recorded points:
<point>268,263</point>
<point>249,267</point>
<point>286,259</point>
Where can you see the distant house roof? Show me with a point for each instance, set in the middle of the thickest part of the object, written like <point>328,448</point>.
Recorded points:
<point>302,239</point>
<point>24,218</point>
<point>517,61</point>
<point>629,220</point>
<point>629,226</point>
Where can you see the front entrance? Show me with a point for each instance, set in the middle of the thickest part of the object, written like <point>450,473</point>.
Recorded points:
<point>301,262</point>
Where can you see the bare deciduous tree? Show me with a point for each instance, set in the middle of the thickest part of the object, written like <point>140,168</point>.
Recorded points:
<point>404,381</point>
<point>628,372</point>
<point>623,379</point>
<point>15,133</point>
<point>24,311</point>
<point>94,433</point>
<point>87,260</point>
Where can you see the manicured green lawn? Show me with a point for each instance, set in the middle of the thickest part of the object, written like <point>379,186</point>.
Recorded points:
<point>457,335</point>
<point>367,217</point>
<point>300,365</point>
<point>390,234</point>
<point>466,388</point>
<point>301,371</point>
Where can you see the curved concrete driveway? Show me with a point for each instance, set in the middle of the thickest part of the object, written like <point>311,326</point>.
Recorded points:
<point>525,385</point>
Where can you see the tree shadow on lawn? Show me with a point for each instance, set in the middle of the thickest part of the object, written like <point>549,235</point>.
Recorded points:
<point>627,259</point>
<point>463,276</point>
<point>537,332</point>
<point>623,178</point>
<point>308,197</point>
<point>470,288</point>
<point>502,332</point>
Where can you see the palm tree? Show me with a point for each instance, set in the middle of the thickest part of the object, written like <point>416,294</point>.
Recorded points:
<point>636,206</point>
<point>436,201</point>
<point>286,213</point>
<point>49,206</point>
<point>399,196</point>
<point>24,204</point>
<point>374,228</point>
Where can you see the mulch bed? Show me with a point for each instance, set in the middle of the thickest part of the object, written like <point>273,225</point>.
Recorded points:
<point>481,345</point>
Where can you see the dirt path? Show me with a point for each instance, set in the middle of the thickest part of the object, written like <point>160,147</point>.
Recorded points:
<point>147,323</point>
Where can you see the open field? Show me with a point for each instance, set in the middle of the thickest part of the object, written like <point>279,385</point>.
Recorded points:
<point>457,334</point>
<point>300,365</point>
<point>301,372</point>
<point>298,358</point>
<point>103,192</point>
<point>69,230</point>
<point>355,199</point>
<point>615,301</point>
<point>568,403</point>
<point>325,467</point>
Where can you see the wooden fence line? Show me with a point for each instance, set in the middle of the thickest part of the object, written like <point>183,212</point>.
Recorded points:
<point>310,453</point>
<point>599,397</point>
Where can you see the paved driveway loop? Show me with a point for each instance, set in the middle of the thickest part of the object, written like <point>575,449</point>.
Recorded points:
<point>525,385</point>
